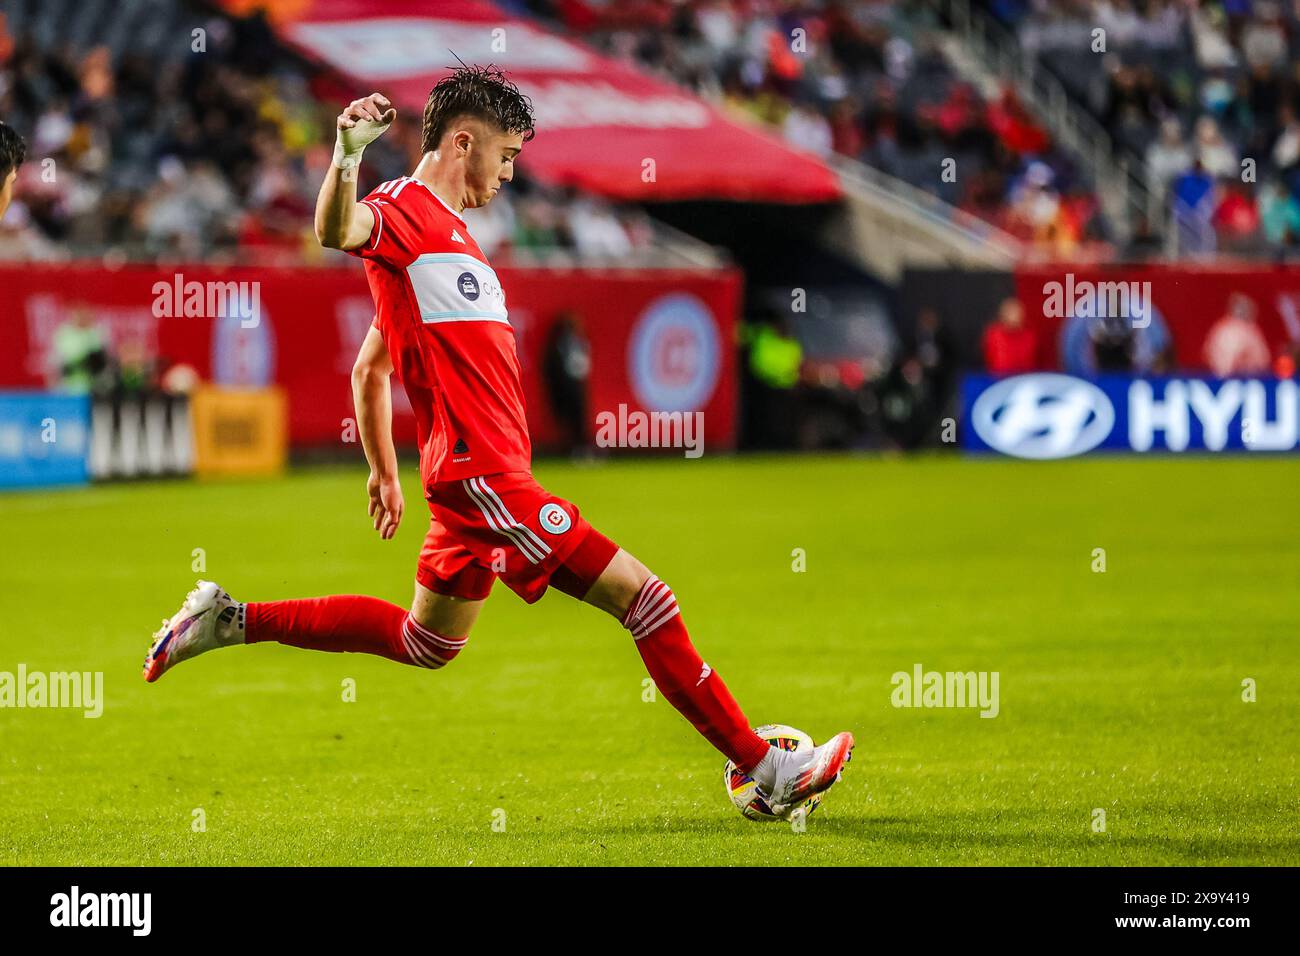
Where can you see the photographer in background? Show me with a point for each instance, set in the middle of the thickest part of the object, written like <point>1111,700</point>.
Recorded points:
<point>566,368</point>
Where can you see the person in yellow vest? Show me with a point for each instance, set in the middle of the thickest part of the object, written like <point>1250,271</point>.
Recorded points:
<point>82,355</point>
<point>769,380</point>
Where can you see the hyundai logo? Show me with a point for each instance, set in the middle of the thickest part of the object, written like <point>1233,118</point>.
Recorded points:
<point>1043,416</point>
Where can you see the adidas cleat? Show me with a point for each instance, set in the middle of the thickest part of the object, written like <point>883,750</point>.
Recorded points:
<point>209,618</point>
<point>797,780</point>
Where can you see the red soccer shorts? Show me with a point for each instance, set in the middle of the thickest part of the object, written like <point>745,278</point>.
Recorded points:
<point>505,526</point>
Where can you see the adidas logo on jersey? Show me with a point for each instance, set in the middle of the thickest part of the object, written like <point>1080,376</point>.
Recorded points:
<point>456,237</point>
<point>461,448</point>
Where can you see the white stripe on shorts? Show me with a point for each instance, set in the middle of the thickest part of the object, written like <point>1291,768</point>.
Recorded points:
<point>497,523</point>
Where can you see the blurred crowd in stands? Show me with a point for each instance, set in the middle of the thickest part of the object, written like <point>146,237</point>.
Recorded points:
<point>142,148</point>
<point>1208,93</point>
<point>146,149</point>
<point>865,79</point>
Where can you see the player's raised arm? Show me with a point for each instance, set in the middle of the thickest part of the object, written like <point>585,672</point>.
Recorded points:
<point>373,400</point>
<point>341,221</point>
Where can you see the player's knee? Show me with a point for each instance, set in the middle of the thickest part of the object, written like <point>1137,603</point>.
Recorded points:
<point>625,584</point>
<point>427,648</point>
<point>653,606</point>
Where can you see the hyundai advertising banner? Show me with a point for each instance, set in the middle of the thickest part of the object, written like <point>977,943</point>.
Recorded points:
<point>44,439</point>
<point>1047,415</point>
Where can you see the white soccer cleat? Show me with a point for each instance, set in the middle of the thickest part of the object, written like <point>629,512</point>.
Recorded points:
<point>799,777</point>
<point>209,618</point>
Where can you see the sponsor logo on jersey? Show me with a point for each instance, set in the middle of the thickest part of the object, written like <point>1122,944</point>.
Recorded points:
<point>1043,416</point>
<point>554,519</point>
<point>468,285</point>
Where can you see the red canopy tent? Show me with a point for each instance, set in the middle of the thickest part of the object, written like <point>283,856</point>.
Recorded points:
<point>603,126</point>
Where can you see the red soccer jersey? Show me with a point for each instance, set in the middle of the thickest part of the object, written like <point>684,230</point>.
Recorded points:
<point>442,313</point>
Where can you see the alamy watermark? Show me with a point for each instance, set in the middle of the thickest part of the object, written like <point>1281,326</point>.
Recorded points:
<point>211,300</point>
<point>636,429</point>
<point>81,690</point>
<point>922,688</point>
<point>1082,298</point>
<point>75,908</point>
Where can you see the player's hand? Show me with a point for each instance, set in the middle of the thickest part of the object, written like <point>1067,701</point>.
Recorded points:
<point>385,504</point>
<point>361,123</point>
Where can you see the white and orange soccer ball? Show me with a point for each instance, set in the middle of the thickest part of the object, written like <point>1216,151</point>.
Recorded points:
<point>744,793</point>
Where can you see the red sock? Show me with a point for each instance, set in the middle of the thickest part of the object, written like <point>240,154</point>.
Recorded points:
<point>689,684</point>
<point>350,622</point>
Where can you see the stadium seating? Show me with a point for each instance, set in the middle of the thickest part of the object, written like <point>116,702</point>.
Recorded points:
<point>873,85</point>
<point>1205,94</point>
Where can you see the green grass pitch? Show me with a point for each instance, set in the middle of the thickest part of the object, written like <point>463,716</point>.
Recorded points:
<point>1119,691</point>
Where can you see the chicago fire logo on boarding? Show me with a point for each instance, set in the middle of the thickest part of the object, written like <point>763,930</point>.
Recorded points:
<point>674,355</point>
<point>554,519</point>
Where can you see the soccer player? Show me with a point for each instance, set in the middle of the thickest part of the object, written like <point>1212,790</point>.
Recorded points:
<point>12,153</point>
<point>441,327</point>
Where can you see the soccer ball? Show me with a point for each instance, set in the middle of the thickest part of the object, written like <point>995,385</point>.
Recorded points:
<point>743,792</point>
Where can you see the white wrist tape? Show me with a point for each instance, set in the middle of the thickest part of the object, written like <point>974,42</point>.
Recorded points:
<point>351,143</point>
<point>346,160</point>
